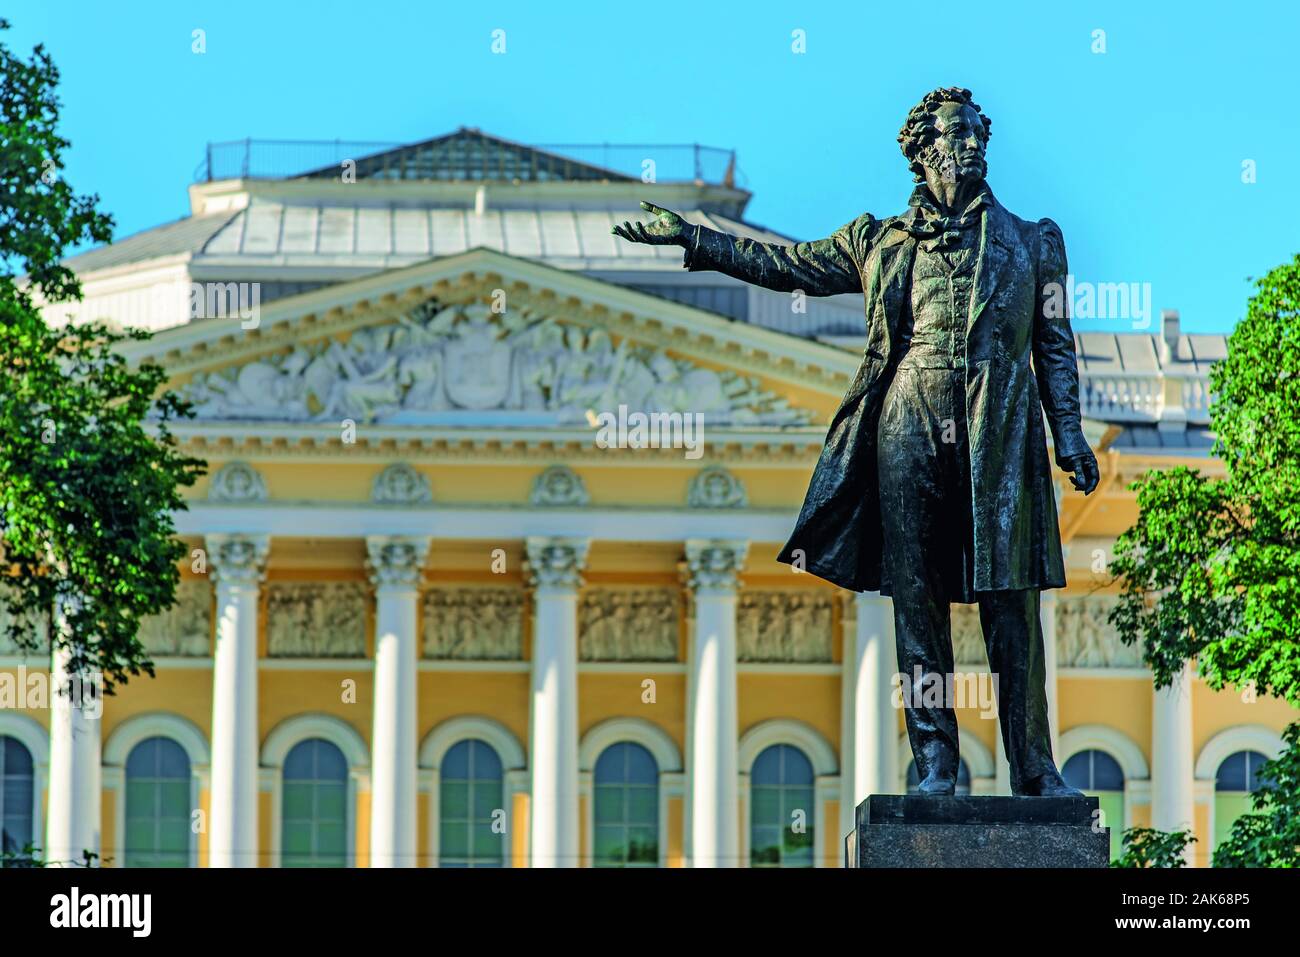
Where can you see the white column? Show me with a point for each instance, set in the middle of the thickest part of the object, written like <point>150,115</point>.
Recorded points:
<point>715,824</point>
<point>395,563</point>
<point>238,563</point>
<point>73,817</point>
<point>869,762</point>
<point>1047,613</point>
<point>555,572</point>
<point>1171,755</point>
<point>1002,767</point>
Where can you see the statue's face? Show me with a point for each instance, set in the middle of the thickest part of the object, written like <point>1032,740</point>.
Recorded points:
<point>958,147</point>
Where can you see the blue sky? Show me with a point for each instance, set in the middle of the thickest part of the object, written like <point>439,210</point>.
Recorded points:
<point>1136,152</point>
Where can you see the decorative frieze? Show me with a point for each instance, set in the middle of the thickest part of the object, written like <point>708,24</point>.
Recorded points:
<point>466,362</point>
<point>316,619</point>
<point>474,623</point>
<point>400,484</point>
<point>237,482</point>
<point>559,486</point>
<point>968,637</point>
<point>1085,639</point>
<point>185,629</point>
<point>629,624</point>
<point>784,626</point>
<point>716,487</point>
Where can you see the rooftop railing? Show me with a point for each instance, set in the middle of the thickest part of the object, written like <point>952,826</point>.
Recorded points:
<point>468,156</point>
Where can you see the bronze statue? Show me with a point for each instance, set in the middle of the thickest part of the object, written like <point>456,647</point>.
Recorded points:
<point>937,457</point>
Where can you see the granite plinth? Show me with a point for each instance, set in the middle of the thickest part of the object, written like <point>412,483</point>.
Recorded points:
<point>896,830</point>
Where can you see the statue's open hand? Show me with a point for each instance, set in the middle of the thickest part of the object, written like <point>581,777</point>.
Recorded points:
<point>1085,473</point>
<point>666,229</point>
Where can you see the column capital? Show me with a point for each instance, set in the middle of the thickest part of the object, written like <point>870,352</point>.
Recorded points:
<point>713,565</point>
<point>238,559</point>
<point>555,563</point>
<point>396,560</point>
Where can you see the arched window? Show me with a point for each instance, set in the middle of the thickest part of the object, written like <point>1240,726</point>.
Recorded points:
<point>626,807</point>
<point>1237,777</point>
<point>470,806</point>
<point>16,804</point>
<point>314,822</point>
<point>157,805</point>
<point>1099,775</point>
<point>781,808</point>
<point>963,777</point>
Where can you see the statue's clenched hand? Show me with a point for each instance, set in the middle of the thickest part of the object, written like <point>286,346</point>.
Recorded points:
<point>1085,472</point>
<point>666,229</point>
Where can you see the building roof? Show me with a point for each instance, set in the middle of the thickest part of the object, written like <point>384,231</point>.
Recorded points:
<point>1154,440</point>
<point>307,234</point>
<point>186,235</point>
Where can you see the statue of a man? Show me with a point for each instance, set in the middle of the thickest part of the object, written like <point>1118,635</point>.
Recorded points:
<point>937,457</point>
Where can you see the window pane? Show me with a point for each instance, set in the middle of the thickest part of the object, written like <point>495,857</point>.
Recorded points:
<point>454,839</point>
<point>296,837</point>
<point>781,798</point>
<point>297,799</point>
<point>174,798</point>
<point>1228,806</point>
<point>455,800</point>
<point>15,760</point>
<point>609,843</point>
<point>643,805</point>
<point>314,806</point>
<point>1106,772</point>
<point>609,803</point>
<point>174,836</point>
<point>487,766</point>
<point>1232,773</point>
<point>487,800</point>
<point>331,801</point>
<point>455,764</point>
<point>470,794</point>
<point>486,844</point>
<point>625,807</point>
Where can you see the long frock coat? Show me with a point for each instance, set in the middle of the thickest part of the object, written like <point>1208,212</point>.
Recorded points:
<point>1017,314</point>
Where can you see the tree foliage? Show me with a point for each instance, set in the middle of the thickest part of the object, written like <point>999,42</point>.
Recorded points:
<point>1211,569</point>
<point>89,472</point>
<point>1269,836</point>
<point>1148,847</point>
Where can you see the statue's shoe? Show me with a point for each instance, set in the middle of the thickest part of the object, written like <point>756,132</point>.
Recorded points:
<point>937,787</point>
<point>1049,785</point>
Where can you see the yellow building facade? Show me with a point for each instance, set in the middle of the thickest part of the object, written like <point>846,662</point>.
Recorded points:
<point>450,602</point>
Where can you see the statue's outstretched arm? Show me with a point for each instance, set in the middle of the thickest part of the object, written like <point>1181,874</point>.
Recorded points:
<point>824,267</point>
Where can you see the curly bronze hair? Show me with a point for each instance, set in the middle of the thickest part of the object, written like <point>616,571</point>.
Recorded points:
<point>918,132</point>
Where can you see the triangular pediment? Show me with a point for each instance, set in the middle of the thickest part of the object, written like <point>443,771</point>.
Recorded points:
<point>485,340</point>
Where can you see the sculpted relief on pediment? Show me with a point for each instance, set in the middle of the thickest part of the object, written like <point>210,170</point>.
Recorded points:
<point>467,365</point>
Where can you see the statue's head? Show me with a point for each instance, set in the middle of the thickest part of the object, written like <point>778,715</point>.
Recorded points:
<point>946,133</point>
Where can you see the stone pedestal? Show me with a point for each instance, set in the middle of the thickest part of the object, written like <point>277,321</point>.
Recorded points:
<point>910,831</point>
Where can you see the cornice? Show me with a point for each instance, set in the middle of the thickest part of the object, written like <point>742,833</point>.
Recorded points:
<point>263,442</point>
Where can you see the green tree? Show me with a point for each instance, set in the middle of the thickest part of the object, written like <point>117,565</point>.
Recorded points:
<point>1148,847</point>
<point>89,472</point>
<point>1269,836</point>
<point>1211,569</point>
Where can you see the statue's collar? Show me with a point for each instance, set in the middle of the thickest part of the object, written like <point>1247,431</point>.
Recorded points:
<point>923,206</point>
<point>924,221</point>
